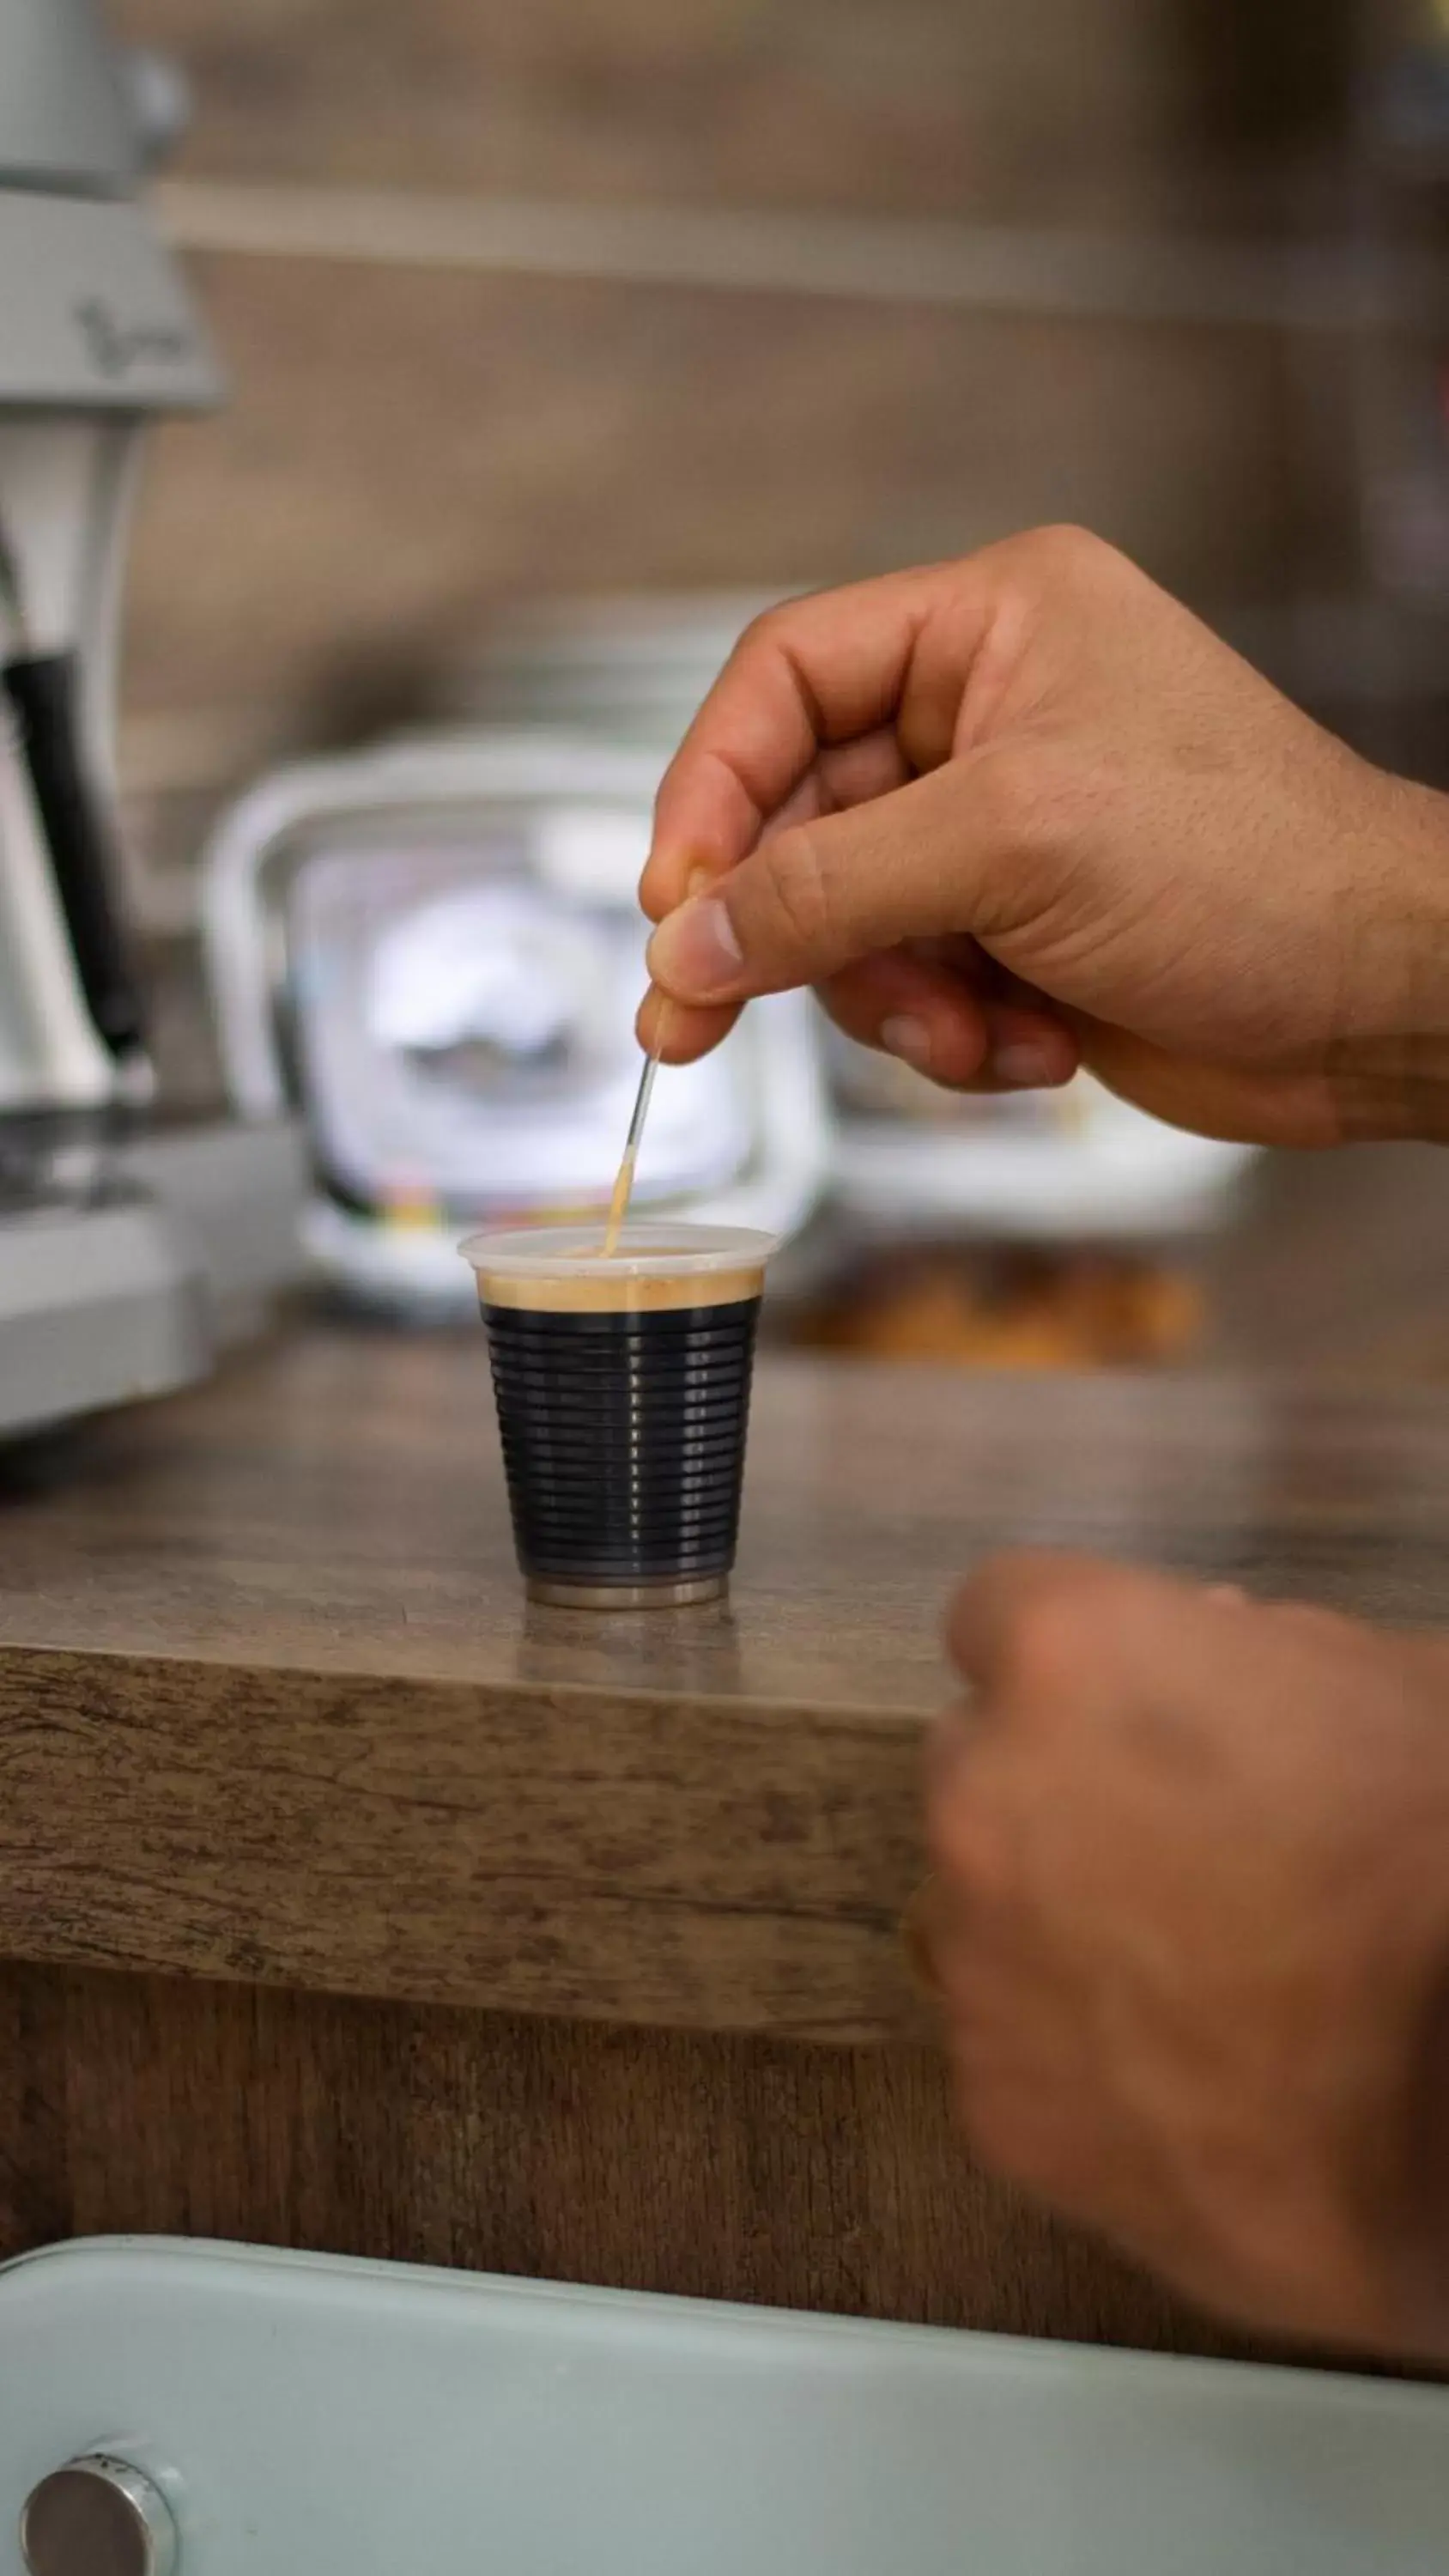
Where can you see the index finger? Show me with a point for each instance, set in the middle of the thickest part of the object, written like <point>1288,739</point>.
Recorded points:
<point>1023,1612</point>
<point>817,671</point>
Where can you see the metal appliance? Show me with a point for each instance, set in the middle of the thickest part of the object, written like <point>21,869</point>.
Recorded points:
<point>129,1245</point>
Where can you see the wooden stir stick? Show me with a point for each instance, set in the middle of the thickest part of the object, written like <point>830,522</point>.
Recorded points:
<point>695,884</point>
<point>624,1182</point>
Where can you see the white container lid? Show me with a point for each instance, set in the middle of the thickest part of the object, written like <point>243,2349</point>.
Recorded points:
<point>663,1252</point>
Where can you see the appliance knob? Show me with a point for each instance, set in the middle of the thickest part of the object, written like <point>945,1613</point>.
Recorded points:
<point>98,2516</point>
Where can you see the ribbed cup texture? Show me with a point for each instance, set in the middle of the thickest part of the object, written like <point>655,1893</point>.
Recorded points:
<point>623,1439</point>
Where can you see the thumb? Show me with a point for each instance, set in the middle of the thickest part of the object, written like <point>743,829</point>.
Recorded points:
<point>820,895</point>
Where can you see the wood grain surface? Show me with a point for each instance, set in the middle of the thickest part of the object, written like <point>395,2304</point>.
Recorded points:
<point>333,1503</point>
<point>1083,108</point>
<point>718,2167</point>
<point>272,1707</point>
<point>451,1932</point>
<point>521,435</point>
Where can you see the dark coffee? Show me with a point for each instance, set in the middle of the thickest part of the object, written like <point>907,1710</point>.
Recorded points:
<point>623,1391</point>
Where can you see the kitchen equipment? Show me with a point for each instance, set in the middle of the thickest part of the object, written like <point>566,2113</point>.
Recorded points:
<point>1068,1166</point>
<point>129,1246</point>
<point>630,668</point>
<point>433,953</point>
<point>279,2413</point>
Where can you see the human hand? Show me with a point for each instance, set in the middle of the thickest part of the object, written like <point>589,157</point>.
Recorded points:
<point>1190,1927</point>
<point>1023,812</point>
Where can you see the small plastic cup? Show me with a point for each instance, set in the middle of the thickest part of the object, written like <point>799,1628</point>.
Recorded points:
<point>623,1393</point>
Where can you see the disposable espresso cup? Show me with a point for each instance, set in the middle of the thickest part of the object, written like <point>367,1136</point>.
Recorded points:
<point>623,1393</point>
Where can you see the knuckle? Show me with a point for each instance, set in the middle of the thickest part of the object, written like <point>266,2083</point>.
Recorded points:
<point>799,888</point>
<point>761,630</point>
<point>1031,804</point>
<point>1064,552</point>
<point>1014,801</point>
<point>1043,1648</point>
<point>768,629</point>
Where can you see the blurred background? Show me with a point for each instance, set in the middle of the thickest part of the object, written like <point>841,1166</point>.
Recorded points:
<point>559,336</point>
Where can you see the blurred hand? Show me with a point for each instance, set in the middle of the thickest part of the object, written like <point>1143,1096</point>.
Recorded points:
<point>1191,1926</point>
<point>1024,812</point>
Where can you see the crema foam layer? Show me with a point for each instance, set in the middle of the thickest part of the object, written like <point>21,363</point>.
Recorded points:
<point>602,1287</point>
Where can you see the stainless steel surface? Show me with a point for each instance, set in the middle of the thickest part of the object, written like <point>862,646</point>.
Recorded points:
<point>95,309</point>
<point>99,1306</point>
<point>238,1186</point>
<point>95,312</point>
<point>628,669</point>
<point>629,1596</point>
<point>63,112</point>
<point>127,1254</point>
<point>99,2517</point>
<point>158,96</point>
<point>126,1265</point>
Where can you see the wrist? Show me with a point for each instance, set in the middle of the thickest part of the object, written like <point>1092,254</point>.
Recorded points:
<point>1391,1064</point>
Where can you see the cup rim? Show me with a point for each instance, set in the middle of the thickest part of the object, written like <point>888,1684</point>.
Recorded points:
<point>652,1250</point>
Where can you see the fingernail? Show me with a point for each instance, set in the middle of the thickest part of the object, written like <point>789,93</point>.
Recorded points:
<point>909,1039</point>
<point>695,952</point>
<point>1024,1067</point>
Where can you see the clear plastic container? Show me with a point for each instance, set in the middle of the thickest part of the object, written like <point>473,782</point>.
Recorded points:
<point>623,1390</point>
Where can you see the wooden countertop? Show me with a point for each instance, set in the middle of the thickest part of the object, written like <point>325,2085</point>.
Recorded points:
<point>273,1708</point>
